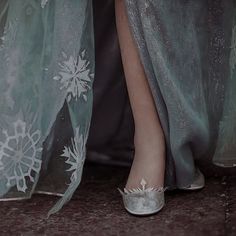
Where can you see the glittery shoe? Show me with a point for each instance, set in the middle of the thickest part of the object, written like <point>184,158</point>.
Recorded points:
<point>198,183</point>
<point>143,201</point>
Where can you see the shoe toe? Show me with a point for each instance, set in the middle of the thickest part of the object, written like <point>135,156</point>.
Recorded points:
<point>145,203</point>
<point>199,182</point>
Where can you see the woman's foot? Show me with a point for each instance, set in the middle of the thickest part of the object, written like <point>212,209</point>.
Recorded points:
<point>144,192</point>
<point>149,159</point>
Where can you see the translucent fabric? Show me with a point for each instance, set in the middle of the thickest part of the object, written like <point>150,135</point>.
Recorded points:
<point>46,59</point>
<point>188,52</point>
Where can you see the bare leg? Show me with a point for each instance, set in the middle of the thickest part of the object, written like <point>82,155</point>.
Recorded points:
<point>149,159</point>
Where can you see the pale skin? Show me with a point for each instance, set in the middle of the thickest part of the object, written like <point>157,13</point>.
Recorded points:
<point>149,158</point>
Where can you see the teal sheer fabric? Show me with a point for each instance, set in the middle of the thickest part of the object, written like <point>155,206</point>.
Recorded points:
<point>46,59</point>
<point>188,52</point>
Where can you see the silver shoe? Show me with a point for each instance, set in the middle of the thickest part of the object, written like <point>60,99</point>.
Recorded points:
<point>198,183</point>
<point>145,201</point>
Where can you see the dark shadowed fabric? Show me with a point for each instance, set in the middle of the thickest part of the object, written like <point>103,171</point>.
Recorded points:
<point>111,132</point>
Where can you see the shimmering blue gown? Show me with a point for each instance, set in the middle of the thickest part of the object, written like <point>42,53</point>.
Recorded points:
<point>47,60</point>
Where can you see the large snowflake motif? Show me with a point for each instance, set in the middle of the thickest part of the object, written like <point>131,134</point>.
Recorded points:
<point>75,155</point>
<point>43,3</point>
<point>19,156</point>
<point>75,76</point>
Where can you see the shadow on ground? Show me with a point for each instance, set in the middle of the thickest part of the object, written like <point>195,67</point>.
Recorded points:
<point>96,209</point>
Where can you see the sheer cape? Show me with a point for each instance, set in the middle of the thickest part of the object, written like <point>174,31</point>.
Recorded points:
<point>46,59</point>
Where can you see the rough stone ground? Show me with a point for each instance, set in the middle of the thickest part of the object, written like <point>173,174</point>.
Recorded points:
<point>96,209</point>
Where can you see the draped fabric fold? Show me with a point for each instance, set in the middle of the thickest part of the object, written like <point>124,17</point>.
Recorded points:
<point>188,52</point>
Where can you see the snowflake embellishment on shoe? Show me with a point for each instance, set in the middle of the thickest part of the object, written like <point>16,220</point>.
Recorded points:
<point>143,184</point>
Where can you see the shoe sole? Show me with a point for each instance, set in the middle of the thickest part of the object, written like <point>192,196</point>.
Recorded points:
<point>144,213</point>
<point>193,188</point>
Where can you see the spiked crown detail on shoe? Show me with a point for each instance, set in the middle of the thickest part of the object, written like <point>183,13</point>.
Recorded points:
<point>143,201</point>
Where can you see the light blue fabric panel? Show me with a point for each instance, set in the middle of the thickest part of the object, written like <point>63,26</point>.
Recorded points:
<point>46,59</point>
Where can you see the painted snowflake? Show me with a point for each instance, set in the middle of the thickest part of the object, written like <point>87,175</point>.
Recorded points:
<point>75,155</point>
<point>19,156</point>
<point>75,76</point>
<point>43,3</point>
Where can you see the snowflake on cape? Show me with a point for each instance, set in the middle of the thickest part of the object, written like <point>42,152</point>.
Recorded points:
<point>19,156</point>
<point>43,3</point>
<point>75,155</point>
<point>75,76</point>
